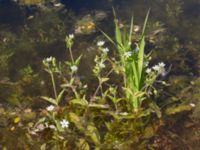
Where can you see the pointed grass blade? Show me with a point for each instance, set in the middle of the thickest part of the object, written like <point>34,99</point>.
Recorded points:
<point>145,23</point>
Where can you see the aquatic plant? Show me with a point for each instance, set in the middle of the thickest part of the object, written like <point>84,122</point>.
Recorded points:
<point>134,64</point>
<point>114,116</point>
<point>80,122</point>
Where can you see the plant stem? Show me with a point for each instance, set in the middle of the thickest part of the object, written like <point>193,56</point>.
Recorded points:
<point>54,85</point>
<point>71,55</point>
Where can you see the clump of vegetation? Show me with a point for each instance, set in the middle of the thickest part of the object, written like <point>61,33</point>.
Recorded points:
<point>115,116</point>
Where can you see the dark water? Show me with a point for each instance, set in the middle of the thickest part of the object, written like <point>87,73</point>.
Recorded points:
<point>29,34</point>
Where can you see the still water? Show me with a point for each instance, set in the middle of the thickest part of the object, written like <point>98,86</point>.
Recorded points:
<point>30,33</point>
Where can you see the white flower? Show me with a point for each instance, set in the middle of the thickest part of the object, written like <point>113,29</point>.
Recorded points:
<point>64,123</point>
<point>71,36</point>
<point>100,43</point>
<point>105,50</point>
<point>49,59</point>
<point>148,70</point>
<point>156,67</point>
<point>50,108</point>
<point>127,54</point>
<point>161,64</point>
<point>74,68</point>
<point>192,105</point>
<point>102,65</point>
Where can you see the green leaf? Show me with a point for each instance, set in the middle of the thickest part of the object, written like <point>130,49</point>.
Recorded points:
<point>108,37</point>
<point>49,99</point>
<point>104,79</point>
<point>77,61</point>
<point>177,109</point>
<point>93,133</point>
<point>43,146</point>
<point>83,145</point>
<point>60,96</point>
<point>145,23</point>
<point>141,58</point>
<point>130,116</point>
<point>131,31</point>
<point>41,120</point>
<point>99,106</point>
<point>76,120</point>
<point>118,35</point>
<point>81,102</point>
<point>136,77</point>
<point>71,81</point>
<point>155,108</point>
<point>141,50</point>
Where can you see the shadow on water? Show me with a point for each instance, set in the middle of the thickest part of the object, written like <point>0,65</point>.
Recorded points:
<point>11,14</point>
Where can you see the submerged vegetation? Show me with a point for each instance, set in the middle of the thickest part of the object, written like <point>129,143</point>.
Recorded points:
<point>135,94</point>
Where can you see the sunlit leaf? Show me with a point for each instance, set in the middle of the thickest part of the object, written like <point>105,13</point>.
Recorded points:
<point>93,133</point>
<point>58,125</point>
<point>81,102</point>
<point>49,99</point>
<point>178,109</point>
<point>141,58</point>
<point>83,145</point>
<point>77,61</point>
<point>98,106</point>
<point>41,120</point>
<point>43,146</point>
<point>60,96</point>
<point>130,116</point>
<point>76,120</point>
<point>104,79</point>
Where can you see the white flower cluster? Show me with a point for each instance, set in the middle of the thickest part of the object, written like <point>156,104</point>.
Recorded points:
<point>50,108</point>
<point>105,50</point>
<point>74,68</point>
<point>71,36</point>
<point>160,68</point>
<point>100,44</point>
<point>128,54</point>
<point>49,59</point>
<point>102,65</point>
